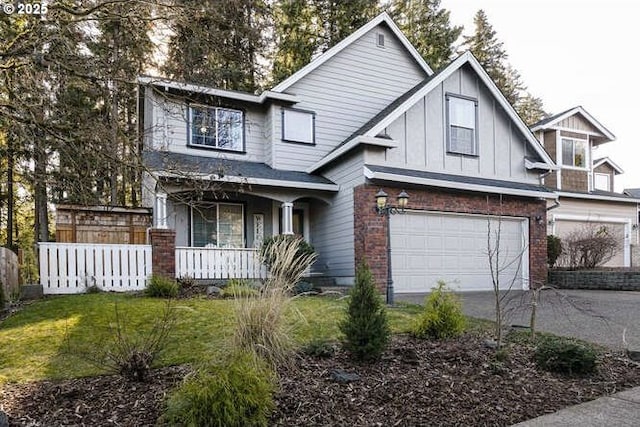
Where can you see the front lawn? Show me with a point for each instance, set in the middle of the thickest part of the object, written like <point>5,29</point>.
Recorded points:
<point>33,344</point>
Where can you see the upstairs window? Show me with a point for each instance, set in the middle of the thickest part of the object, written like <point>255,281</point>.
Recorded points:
<point>462,119</point>
<point>574,152</point>
<point>298,126</point>
<point>220,128</point>
<point>601,181</point>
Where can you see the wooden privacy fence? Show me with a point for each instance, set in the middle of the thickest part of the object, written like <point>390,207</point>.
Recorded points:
<point>9,272</point>
<point>216,263</point>
<point>70,268</point>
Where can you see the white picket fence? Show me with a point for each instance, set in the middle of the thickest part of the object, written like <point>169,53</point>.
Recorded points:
<point>70,268</point>
<point>215,263</point>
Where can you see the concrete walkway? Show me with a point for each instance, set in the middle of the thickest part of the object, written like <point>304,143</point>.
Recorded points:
<point>621,409</point>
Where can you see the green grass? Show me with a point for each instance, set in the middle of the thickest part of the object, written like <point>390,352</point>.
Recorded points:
<point>33,345</point>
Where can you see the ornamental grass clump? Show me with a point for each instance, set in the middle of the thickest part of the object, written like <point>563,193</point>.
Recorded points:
<point>365,327</point>
<point>237,392</point>
<point>442,317</point>
<point>261,326</point>
<point>161,287</point>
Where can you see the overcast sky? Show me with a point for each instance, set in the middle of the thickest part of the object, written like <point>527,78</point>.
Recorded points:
<point>575,52</point>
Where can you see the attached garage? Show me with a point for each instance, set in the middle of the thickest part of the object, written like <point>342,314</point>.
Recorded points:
<point>563,226</point>
<point>430,246</point>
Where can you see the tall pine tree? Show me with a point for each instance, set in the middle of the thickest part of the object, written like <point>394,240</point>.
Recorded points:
<point>218,43</point>
<point>490,52</point>
<point>306,28</point>
<point>428,28</point>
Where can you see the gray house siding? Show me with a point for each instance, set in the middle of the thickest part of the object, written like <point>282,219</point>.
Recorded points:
<point>421,135</point>
<point>332,225</point>
<point>345,92</point>
<point>169,129</point>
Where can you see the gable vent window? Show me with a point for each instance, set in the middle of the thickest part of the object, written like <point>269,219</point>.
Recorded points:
<point>298,126</point>
<point>380,40</point>
<point>462,119</point>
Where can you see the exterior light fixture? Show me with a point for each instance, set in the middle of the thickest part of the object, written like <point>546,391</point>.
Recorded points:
<point>384,209</point>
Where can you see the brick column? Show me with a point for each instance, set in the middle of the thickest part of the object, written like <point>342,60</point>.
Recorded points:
<point>163,252</point>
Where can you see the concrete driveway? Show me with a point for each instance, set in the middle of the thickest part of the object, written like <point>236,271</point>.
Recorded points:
<point>596,316</point>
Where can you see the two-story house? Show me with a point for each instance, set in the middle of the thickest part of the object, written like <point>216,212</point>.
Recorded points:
<point>585,183</point>
<point>226,169</point>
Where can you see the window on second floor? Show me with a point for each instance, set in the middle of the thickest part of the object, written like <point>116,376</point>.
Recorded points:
<point>298,126</point>
<point>221,128</point>
<point>462,129</point>
<point>574,152</point>
<point>601,181</point>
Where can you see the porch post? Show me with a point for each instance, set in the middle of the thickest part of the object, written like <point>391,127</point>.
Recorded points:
<point>160,211</point>
<point>287,218</point>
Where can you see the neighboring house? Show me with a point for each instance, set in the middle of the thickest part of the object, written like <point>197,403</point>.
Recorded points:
<point>227,169</point>
<point>585,184</point>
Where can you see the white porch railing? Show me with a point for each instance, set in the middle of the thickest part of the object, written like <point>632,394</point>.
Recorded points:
<point>216,263</point>
<point>70,268</point>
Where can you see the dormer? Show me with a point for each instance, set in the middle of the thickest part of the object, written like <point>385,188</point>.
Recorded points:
<point>569,138</point>
<point>604,172</point>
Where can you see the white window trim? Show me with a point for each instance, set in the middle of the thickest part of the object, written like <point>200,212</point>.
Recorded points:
<point>476,145</point>
<point>216,147</point>
<point>608,176</point>
<point>587,151</point>
<point>216,204</point>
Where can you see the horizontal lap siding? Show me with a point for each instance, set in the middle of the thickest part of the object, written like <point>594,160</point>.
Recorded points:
<point>333,224</point>
<point>169,131</point>
<point>346,92</point>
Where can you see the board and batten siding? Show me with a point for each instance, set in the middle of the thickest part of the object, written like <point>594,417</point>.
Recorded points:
<point>421,135</point>
<point>169,130</point>
<point>577,122</point>
<point>345,93</point>
<point>332,226</point>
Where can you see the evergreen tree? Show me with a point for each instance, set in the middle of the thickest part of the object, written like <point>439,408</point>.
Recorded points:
<point>366,329</point>
<point>297,37</point>
<point>530,109</point>
<point>218,43</point>
<point>491,54</point>
<point>428,28</point>
<point>306,28</point>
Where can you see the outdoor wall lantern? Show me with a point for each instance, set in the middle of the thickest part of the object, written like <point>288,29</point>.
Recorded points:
<point>384,209</point>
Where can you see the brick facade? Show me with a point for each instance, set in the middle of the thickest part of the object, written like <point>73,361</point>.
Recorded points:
<point>163,252</point>
<point>370,228</point>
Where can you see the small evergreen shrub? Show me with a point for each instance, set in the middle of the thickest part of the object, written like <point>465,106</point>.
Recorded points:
<point>554,249</point>
<point>365,327</point>
<point>442,316</point>
<point>161,287</point>
<point>238,288</point>
<point>319,348</point>
<point>238,393</point>
<point>565,356</point>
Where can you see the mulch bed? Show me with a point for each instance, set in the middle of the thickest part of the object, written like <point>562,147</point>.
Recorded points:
<point>456,382</point>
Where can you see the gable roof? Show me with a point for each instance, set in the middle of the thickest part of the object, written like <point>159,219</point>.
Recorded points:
<point>556,118</point>
<point>402,104</point>
<point>382,18</point>
<point>603,160</point>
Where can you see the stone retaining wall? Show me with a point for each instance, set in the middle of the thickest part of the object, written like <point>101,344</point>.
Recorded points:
<point>621,280</point>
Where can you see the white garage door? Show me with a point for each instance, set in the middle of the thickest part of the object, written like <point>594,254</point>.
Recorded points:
<point>430,246</point>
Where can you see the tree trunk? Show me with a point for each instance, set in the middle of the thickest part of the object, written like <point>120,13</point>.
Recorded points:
<point>41,209</point>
